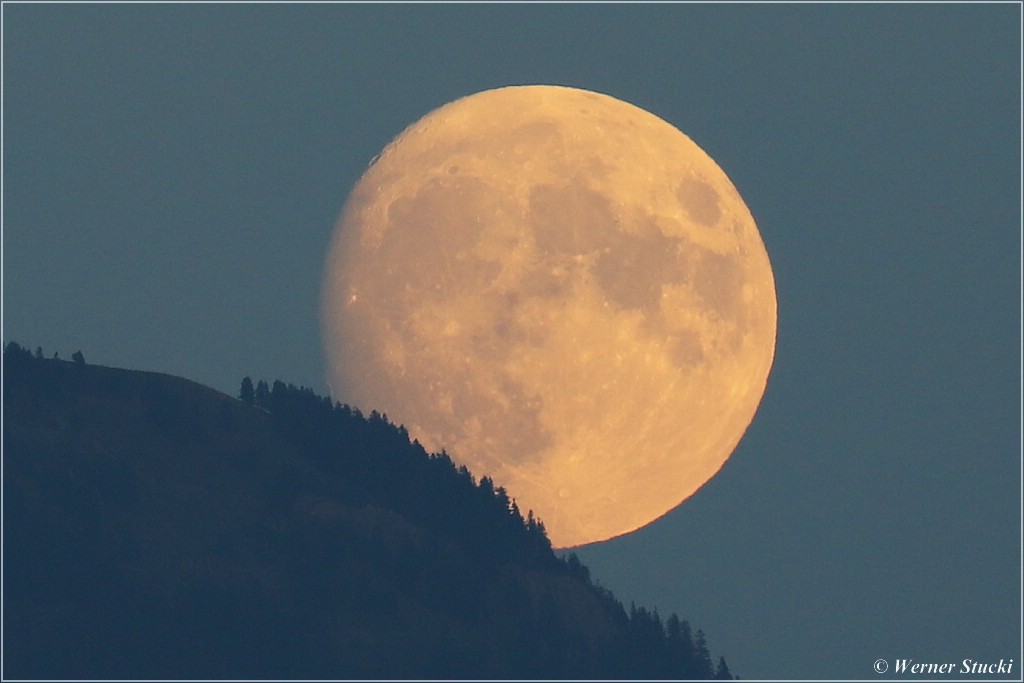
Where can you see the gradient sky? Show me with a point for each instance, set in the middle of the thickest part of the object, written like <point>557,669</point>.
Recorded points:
<point>172,175</point>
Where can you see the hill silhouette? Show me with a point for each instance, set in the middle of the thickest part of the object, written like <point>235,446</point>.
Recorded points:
<point>157,528</point>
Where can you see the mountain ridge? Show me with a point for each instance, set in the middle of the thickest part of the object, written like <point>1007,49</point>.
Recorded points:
<point>158,528</point>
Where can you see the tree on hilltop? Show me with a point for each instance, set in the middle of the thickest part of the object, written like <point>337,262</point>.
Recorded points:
<point>246,393</point>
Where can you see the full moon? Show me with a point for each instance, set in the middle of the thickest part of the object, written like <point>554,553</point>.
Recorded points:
<point>565,293</point>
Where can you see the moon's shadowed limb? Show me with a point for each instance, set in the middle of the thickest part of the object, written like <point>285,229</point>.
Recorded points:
<point>564,292</point>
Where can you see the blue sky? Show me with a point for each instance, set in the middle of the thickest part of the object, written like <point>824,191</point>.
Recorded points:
<point>172,174</point>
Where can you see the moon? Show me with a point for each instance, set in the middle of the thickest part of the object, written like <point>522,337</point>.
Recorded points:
<point>561,290</point>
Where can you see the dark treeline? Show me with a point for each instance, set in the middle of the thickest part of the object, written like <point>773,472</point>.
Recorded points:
<point>373,462</point>
<point>155,528</point>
